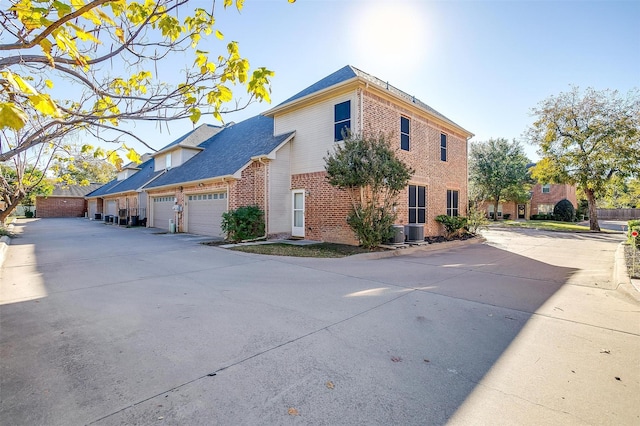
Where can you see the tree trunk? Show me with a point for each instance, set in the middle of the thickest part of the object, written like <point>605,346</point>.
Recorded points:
<point>10,207</point>
<point>593,213</point>
<point>495,209</point>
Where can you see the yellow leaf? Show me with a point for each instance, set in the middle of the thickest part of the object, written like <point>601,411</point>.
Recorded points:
<point>120,34</point>
<point>11,116</point>
<point>195,115</point>
<point>49,83</point>
<point>132,155</point>
<point>293,412</point>
<point>45,105</point>
<point>219,35</point>
<point>18,83</point>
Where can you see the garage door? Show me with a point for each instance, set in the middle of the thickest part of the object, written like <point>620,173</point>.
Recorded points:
<point>162,211</point>
<point>204,213</point>
<point>92,208</point>
<point>111,208</point>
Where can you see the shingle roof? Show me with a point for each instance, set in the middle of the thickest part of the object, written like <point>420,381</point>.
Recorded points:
<point>348,72</point>
<point>132,183</point>
<point>74,190</point>
<point>226,152</point>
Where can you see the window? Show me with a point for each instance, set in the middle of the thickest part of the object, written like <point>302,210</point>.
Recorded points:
<point>443,147</point>
<point>546,188</point>
<point>545,208</point>
<point>491,210</point>
<point>167,161</point>
<point>452,202</point>
<point>417,204</point>
<point>342,120</point>
<point>404,133</point>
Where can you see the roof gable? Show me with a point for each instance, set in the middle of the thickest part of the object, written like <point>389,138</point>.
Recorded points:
<point>132,183</point>
<point>226,152</point>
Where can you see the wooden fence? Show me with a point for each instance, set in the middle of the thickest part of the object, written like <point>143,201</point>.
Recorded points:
<point>618,214</point>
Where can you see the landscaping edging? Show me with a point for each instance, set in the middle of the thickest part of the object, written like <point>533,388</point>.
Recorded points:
<point>4,243</point>
<point>621,276</point>
<point>401,251</point>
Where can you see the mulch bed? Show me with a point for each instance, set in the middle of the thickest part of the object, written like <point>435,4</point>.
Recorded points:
<point>634,269</point>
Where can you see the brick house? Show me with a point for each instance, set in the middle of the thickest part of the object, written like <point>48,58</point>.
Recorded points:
<point>65,201</point>
<point>543,199</point>
<point>276,161</point>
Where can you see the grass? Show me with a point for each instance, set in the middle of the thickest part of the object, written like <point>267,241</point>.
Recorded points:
<point>326,250</point>
<point>547,225</point>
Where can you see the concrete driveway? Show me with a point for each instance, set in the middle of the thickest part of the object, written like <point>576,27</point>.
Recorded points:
<point>110,326</point>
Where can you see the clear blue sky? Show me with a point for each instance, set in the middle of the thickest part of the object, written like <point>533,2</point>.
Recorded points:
<point>483,64</point>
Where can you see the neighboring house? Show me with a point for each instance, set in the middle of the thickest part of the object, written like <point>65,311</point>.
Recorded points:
<point>277,161</point>
<point>64,201</point>
<point>543,199</point>
<point>124,197</point>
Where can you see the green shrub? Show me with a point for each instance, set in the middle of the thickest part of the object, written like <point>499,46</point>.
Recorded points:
<point>476,220</point>
<point>453,225</point>
<point>28,214</point>
<point>243,223</point>
<point>633,225</point>
<point>564,211</point>
<point>372,225</point>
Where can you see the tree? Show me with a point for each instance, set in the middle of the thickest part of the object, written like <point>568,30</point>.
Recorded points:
<point>22,182</point>
<point>373,176</point>
<point>78,166</point>
<point>498,171</point>
<point>588,140</point>
<point>70,66</point>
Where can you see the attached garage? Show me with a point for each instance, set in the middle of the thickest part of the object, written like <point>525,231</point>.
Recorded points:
<point>162,211</point>
<point>112,208</point>
<point>204,213</point>
<point>92,207</point>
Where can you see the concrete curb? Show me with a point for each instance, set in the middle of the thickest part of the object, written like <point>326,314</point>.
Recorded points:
<point>400,251</point>
<point>621,277</point>
<point>4,243</point>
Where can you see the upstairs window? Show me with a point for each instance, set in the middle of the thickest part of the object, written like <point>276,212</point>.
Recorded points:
<point>546,188</point>
<point>443,147</point>
<point>417,204</point>
<point>404,133</point>
<point>167,161</point>
<point>452,203</point>
<point>342,120</point>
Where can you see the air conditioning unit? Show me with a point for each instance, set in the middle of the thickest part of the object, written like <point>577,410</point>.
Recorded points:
<point>398,235</point>
<point>414,232</point>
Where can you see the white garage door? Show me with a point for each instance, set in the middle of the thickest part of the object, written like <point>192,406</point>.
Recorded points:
<point>92,207</point>
<point>204,213</point>
<point>162,211</point>
<point>111,208</point>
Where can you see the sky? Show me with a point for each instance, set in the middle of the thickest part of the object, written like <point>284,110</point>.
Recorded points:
<point>483,64</point>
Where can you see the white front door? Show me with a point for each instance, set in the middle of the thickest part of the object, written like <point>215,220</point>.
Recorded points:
<point>297,227</point>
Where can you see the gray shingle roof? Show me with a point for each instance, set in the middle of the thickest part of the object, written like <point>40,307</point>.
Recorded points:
<point>226,152</point>
<point>74,190</point>
<point>348,72</point>
<point>132,183</point>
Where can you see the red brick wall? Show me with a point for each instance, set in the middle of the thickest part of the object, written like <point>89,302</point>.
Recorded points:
<point>556,193</point>
<point>60,207</point>
<point>380,115</point>
<point>326,209</point>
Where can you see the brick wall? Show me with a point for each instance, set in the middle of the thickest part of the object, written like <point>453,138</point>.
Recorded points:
<point>326,209</point>
<point>60,207</point>
<point>383,116</point>
<point>556,193</point>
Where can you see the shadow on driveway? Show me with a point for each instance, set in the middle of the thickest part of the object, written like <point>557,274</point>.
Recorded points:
<point>106,325</point>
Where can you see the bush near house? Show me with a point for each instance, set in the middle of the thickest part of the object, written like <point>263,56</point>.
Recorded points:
<point>453,225</point>
<point>243,223</point>
<point>633,225</point>
<point>564,211</point>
